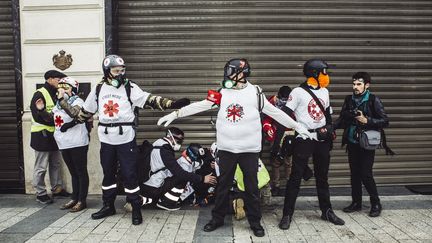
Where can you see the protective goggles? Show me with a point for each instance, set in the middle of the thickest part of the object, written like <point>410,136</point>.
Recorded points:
<point>63,86</point>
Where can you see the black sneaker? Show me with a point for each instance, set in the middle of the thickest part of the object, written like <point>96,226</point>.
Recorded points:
<point>168,205</point>
<point>44,199</point>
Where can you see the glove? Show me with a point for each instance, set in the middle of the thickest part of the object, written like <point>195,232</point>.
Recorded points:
<point>304,133</point>
<point>167,119</point>
<point>68,125</point>
<point>180,103</point>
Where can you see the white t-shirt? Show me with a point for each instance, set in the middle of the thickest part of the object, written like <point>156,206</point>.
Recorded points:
<point>76,136</point>
<point>114,107</point>
<point>305,109</point>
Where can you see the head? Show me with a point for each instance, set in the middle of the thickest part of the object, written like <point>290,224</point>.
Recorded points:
<point>194,153</point>
<point>236,71</point>
<point>114,69</point>
<point>361,82</point>
<point>52,77</point>
<point>174,136</point>
<point>315,71</point>
<point>70,85</point>
<point>282,96</point>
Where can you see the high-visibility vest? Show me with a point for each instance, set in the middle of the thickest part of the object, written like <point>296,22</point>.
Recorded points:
<point>49,105</point>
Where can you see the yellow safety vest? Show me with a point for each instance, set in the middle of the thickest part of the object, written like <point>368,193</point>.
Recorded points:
<point>49,105</point>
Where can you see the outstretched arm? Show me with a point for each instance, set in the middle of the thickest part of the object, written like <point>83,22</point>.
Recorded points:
<point>160,103</point>
<point>285,120</point>
<point>188,110</point>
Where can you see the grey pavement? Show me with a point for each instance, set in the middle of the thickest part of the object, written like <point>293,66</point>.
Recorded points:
<point>406,217</point>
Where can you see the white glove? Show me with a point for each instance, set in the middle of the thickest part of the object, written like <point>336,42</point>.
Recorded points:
<point>304,133</point>
<point>168,118</point>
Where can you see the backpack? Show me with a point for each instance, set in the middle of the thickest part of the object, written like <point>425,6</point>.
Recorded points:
<point>143,161</point>
<point>128,88</point>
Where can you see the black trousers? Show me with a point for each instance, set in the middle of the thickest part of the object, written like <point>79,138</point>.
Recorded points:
<point>361,162</point>
<point>156,192</point>
<point>76,161</point>
<point>111,156</point>
<point>303,150</point>
<point>227,165</point>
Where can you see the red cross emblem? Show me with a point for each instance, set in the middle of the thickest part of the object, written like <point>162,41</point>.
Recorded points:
<point>111,108</point>
<point>315,111</point>
<point>58,121</point>
<point>234,112</point>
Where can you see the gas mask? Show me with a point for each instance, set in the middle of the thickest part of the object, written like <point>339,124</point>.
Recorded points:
<point>281,102</point>
<point>118,76</point>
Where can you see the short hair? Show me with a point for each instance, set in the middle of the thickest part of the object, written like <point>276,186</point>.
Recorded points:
<point>363,76</point>
<point>284,92</point>
<point>54,74</point>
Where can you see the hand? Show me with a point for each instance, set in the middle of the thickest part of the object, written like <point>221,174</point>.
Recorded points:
<point>167,119</point>
<point>40,105</point>
<point>209,179</point>
<point>60,93</point>
<point>68,125</point>
<point>305,134</point>
<point>361,118</point>
<point>180,103</point>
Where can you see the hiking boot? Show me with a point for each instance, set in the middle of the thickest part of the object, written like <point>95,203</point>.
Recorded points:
<point>285,222</point>
<point>44,199</point>
<point>136,215</point>
<point>258,230</point>
<point>238,206</point>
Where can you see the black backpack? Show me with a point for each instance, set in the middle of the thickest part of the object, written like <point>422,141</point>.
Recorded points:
<point>143,161</point>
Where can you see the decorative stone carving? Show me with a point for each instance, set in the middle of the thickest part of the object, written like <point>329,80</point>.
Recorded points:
<point>62,61</point>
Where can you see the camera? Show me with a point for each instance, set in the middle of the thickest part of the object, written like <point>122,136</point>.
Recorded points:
<point>355,113</point>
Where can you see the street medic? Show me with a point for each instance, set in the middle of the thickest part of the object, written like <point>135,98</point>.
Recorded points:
<point>238,135</point>
<point>115,99</point>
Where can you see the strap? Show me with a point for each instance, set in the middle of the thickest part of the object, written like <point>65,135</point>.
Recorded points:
<point>128,88</point>
<point>260,98</point>
<point>304,86</point>
<point>116,124</point>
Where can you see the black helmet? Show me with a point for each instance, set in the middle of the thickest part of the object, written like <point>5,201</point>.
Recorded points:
<point>111,61</point>
<point>195,152</point>
<point>313,67</point>
<point>236,66</point>
<point>176,132</point>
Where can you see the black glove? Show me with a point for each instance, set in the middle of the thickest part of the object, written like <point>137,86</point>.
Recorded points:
<point>68,125</point>
<point>180,103</point>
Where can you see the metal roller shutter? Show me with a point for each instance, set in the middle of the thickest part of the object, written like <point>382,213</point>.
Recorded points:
<point>11,171</point>
<point>178,49</point>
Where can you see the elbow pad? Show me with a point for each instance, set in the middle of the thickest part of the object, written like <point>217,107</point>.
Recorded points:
<point>158,102</point>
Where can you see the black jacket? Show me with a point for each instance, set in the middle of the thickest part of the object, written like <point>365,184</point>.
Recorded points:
<point>373,110</point>
<point>43,140</point>
<point>168,158</point>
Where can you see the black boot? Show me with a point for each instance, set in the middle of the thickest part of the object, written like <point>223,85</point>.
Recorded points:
<point>212,225</point>
<point>258,230</point>
<point>353,207</point>
<point>285,222</point>
<point>375,210</point>
<point>330,216</point>
<point>108,209</point>
<point>136,215</point>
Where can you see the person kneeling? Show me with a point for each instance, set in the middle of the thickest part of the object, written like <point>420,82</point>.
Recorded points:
<point>168,176</point>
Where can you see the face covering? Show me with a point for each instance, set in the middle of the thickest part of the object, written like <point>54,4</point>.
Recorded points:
<point>175,146</point>
<point>324,81</point>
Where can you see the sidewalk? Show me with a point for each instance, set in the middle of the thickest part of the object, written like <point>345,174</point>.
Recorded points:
<point>406,218</point>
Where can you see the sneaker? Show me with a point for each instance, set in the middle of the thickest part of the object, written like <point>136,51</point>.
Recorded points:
<point>60,192</point>
<point>168,205</point>
<point>44,199</point>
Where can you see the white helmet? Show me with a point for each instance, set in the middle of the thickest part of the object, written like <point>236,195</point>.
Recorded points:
<point>71,82</point>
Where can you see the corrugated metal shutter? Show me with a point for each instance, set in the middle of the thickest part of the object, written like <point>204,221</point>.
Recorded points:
<point>178,49</point>
<point>11,176</point>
